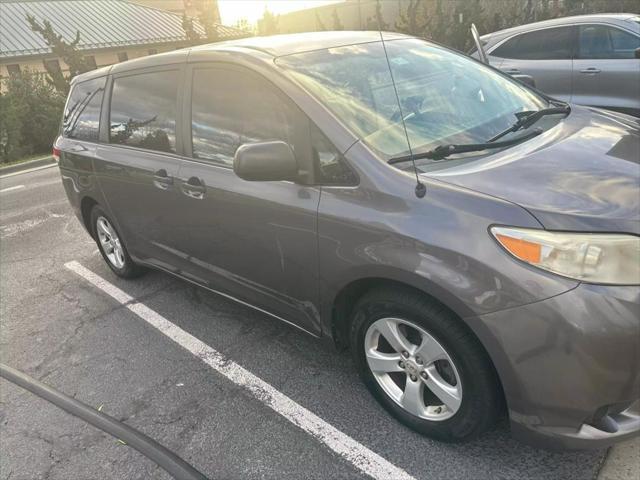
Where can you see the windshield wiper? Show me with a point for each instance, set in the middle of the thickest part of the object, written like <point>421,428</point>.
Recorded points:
<point>444,151</point>
<point>526,119</point>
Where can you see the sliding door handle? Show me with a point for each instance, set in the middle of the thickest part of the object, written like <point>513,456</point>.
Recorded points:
<point>162,180</point>
<point>194,188</point>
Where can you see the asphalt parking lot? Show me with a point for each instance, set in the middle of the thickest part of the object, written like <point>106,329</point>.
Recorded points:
<point>62,329</point>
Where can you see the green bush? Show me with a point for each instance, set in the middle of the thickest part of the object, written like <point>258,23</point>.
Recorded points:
<point>30,112</point>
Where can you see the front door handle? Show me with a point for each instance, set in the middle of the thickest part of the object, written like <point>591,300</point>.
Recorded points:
<point>591,70</point>
<point>512,71</point>
<point>194,188</point>
<point>162,180</point>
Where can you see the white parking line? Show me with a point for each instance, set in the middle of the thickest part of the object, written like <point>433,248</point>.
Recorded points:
<point>34,169</point>
<point>357,454</point>
<point>9,189</point>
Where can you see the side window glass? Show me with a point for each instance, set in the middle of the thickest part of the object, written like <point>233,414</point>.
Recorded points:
<point>547,44</point>
<point>624,44</point>
<point>230,109</point>
<point>507,49</point>
<point>595,42</point>
<point>602,42</point>
<point>143,111</point>
<point>331,168</point>
<point>215,121</point>
<point>82,113</point>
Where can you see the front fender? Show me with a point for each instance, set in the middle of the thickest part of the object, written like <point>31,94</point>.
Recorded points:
<point>439,245</point>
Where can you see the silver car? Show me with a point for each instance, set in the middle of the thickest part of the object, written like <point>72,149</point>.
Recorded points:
<point>587,59</point>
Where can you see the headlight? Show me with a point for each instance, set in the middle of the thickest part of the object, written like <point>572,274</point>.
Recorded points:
<point>588,257</point>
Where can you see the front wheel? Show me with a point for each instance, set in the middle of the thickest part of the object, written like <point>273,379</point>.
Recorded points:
<point>423,366</point>
<point>111,246</point>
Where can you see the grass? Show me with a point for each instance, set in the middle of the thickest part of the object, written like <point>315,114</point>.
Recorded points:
<point>35,156</point>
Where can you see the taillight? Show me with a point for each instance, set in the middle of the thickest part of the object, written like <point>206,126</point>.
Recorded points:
<point>56,154</point>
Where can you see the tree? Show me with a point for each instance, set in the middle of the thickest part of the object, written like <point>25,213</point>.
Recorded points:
<point>413,20</point>
<point>68,52</point>
<point>465,14</point>
<point>377,21</point>
<point>243,24</point>
<point>319,23</point>
<point>193,37</point>
<point>438,24</point>
<point>28,100</point>
<point>207,20</point>
<point>268,24</point>
<point>337,24</point>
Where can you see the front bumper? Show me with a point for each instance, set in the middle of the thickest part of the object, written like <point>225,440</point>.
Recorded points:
<point>569,366</point>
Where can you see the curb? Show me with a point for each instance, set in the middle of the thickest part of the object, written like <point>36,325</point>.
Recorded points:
<point>27,165</point>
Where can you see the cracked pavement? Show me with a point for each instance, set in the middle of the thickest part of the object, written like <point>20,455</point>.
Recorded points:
<point>61,330</point>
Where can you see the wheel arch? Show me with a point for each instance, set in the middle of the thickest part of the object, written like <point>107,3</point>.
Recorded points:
<point>347,296</point>
<point>86,205</point>
<point>341,299</point>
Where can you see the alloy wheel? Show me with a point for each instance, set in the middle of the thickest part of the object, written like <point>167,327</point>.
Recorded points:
<point>110,242</point>
<point>413,369</point>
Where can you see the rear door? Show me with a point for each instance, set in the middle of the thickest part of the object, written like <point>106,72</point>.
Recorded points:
<point>605,71</point>
<point>138,162</point>
<point>545,55</point>
<point>254,241</point>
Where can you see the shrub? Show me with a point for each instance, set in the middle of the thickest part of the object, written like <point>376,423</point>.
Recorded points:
<point>30,112</point>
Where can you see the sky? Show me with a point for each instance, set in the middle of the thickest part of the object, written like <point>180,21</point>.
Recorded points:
<point>233,10</point>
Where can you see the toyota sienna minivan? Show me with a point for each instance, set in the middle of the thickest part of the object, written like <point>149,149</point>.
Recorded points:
<point>473,242</point>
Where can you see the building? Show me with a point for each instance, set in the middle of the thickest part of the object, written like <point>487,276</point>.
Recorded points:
<point>111,31</point>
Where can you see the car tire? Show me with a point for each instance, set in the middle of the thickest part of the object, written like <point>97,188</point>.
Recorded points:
<point>454,364</point>
<point>111,245</point>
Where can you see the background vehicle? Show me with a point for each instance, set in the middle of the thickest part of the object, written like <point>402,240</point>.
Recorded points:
<point>274,172</point>
<point>588,59</point>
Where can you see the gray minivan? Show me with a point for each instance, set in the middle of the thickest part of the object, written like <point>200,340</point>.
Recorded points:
<point>475,243</point>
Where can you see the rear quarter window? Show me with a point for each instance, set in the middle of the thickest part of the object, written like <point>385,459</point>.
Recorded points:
<point>81,118</point>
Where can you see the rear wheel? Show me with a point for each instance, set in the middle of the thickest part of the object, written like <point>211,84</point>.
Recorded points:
<point>424,367</point>
<point>111,246</point>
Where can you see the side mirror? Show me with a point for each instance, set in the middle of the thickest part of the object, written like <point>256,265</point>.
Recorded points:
<point>265,161</point>
<point>637,52</point>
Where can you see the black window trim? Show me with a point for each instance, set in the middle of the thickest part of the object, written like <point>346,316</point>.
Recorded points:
<point>225,65</point>
<point>105,119</point>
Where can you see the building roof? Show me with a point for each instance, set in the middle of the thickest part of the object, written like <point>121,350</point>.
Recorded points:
<point>101,23</point>
<point>287,44</point>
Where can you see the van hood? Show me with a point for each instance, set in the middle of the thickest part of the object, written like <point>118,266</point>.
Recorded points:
<point>582,175</point>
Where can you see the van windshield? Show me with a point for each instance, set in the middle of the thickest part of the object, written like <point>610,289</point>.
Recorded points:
<point>446,97</point>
